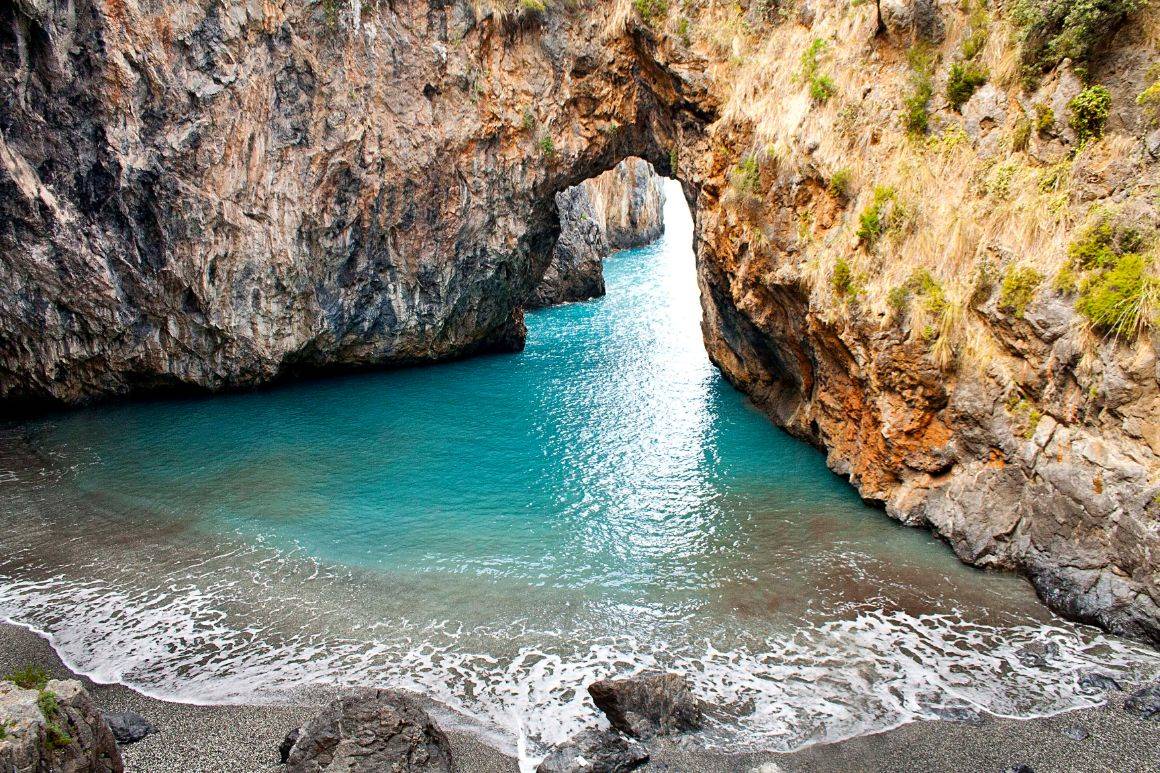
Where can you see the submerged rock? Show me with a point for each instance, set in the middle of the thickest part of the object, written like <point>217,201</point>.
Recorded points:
<point>1037,654</point>
<point>1075,732</point>
<point>128,726</point>
<point>369,732</point>
<point>648,705</point>
<point>595,751</point>
<point>54,729</point>
<point>1145,702</point>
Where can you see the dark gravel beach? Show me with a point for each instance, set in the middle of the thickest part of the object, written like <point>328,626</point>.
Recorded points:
<point>241,739</point>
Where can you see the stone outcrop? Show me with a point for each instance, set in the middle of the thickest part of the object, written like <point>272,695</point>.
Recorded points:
<point>73,738</point>
<point>595,751</point>
<point>371,731</point>
<point>620,209</point>
<point>215,195</point>
<point>648,705</point>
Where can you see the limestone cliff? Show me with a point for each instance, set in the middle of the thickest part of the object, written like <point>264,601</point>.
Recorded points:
<point>620,209</point>
<point>925,248</point>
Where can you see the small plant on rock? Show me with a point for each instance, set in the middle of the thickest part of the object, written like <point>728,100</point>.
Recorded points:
<point>1088,112</point>
<point>1044,118</point>
<point>874,220</point>
<point>842,280</point>
<point>964,79</point>
<point>1018,289</point>
<point>839,184</point>
<point>29,678</point>
<point>916,104</point>
<point>1050,31</point>
<point>651,11</point>
<point>547,146</point>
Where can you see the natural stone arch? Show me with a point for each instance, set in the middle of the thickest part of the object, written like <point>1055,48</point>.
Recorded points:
<point>232,194</point>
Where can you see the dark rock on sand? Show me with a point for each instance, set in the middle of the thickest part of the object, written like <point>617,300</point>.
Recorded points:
<point>1145,702</point>
<point>128,726</point>
<point>1019,769</point>
<point>288,744</point>
<point>648,705</point>
<point>1099,682</point>
<point>369,732</point>
<point>595,751</point>
<point>72,737</point>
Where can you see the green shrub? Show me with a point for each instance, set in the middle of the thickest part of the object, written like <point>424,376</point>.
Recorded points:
<point>547,146</point>
<point>1018,289</point>
<point>979,26</point>
<point>533,6</point>
<point>1044,118</point>
<point>49,707</point>
<point>1053,30</point>
<point>29,678</point>
<point>651,10</point>
<point>1095,247</point>
<point>1149,98</point>
<point>683,31</point>
<point>899,298</point>
<point>811,59</point>
<point>1021,134</point>
<point>1089,112</point>
<point>1123,298</point>
<point>842,280</point>
<point>925,286</point>
<point>529,120</point>
<point>674,159</point>
<point>964,79</point>
<point>873,222</point>
<point>747,175</point>
<point>822,88</point>
<point>839,184</point>
<point>916,104</point>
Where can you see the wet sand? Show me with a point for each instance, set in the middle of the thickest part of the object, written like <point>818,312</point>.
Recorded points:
<point>242,739</point>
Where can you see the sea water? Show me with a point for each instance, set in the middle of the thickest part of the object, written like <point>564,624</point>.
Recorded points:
<point>497,533</point>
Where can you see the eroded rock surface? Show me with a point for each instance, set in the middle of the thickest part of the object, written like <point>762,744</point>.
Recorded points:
<point>75,738</point>
<point>369,732</point>
<point>648,705</point>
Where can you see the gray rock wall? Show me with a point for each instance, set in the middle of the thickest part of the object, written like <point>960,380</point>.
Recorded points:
<point>620,209</point>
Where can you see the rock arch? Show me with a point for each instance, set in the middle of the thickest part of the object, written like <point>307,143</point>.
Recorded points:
<point>217,196</point>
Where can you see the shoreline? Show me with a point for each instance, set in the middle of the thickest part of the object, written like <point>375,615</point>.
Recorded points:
<point>239,738</point>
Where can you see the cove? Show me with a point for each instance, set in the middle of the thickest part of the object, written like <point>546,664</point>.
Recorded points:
<point>498,532</point>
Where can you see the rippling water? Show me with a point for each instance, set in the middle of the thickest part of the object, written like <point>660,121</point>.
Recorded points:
<point>498,532</point>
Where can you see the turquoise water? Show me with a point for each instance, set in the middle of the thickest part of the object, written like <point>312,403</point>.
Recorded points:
<point>498,532</point>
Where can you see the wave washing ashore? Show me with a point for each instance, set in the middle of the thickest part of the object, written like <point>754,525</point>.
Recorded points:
<point>495,534</point>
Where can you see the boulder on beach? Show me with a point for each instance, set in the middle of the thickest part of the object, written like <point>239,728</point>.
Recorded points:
<point>368,732</point>
<point>648,705</point>
<point>595,751</point>
<point>1145,702</point>
<point>54,728</point>
<point>128,726</point>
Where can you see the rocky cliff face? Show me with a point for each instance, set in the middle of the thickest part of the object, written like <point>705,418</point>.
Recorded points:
<point>217,194</point>
<point>620,209</point>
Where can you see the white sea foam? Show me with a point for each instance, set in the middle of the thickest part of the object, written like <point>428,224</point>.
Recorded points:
<point>205,634</point>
